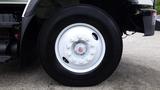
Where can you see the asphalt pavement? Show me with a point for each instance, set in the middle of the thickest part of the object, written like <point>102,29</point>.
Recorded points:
<point>139,70</point>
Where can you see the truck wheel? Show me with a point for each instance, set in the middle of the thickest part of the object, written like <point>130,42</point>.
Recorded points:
<point>80,46</point>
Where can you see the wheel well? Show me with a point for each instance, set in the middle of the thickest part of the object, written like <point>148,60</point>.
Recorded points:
<point>117,9</point>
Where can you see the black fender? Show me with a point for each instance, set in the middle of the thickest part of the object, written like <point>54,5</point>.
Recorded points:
<point>29,30</point>
<point>27,19</point>
<point>28,14</point>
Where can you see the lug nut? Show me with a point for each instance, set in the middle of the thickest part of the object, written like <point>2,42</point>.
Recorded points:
<point>85,62</point>
<point>68,53</point>
<point>81,62</point>
<point>92,46</point>
<point>92,53</point>
<point>70,60</point>
<point>68,47</point>
<point>72,40</point>
<point>79,38</point>
<point>90,58</point>
<point>87,40</point>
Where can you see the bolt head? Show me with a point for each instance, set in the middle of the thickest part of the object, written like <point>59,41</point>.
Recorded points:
<point>92,46</point>
<point>68,47</point>
<point>92,54</point>
<point>79,38</point>
<point>81,62</point>
<point>90,58</point>
<point>72,40</point>
<point>87,40</point>
<point>85,62</point>
<point>77,62</point>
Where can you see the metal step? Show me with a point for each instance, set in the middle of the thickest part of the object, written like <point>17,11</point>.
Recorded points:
<point>8,24</point>
<point>4,59</point>
<point>7,21</point>
<point>4,54</point>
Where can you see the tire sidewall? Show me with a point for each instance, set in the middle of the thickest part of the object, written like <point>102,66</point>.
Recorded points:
<point>90,15</point>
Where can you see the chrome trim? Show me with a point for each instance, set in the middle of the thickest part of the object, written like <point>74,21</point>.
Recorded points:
<point>25,10</point>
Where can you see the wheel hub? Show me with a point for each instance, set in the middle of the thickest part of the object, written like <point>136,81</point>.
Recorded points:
<point>80,48</point>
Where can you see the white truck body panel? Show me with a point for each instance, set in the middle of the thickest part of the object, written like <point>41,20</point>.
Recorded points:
<point>143,2</point>
<point>13,1</point>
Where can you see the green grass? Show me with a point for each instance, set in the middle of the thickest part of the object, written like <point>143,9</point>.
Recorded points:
<point>158,6</point>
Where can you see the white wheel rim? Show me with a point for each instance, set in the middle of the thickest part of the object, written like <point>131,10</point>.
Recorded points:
<point>80,48</point>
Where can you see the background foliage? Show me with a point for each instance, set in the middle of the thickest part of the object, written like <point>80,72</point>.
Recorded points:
<point>158,6</point>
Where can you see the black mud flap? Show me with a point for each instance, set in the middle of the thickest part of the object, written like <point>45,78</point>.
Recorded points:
<point>149,20</point>
<point>158,23</point>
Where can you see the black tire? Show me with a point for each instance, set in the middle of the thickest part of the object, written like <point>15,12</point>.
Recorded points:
<point>80,14</point>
